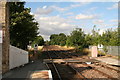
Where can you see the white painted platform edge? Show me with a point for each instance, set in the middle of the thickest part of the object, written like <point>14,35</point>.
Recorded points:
<point>50,75</point>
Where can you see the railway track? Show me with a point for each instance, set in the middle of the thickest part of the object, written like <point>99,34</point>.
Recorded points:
<point>105,69</point>
<point>91,69</point>
<point>53,69</point>
<point>108,67</point>
<point>61,69</point>
<point>82,72</point>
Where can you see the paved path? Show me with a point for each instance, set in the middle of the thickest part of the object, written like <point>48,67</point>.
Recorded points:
<point>23,72</point>
<point>109,60</point>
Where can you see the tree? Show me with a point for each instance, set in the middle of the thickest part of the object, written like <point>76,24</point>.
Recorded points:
<point>62,39</point>
<point>38,40</point>
<point>95,36</point>
<point>54,39</point>
<point>89,40</point>
<point>23,27</point>
<point>77,38</point>
<point>110,38</point>
<point>58,39</point>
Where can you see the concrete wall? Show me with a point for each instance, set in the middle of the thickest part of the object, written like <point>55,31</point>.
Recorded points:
<point>17,57</point>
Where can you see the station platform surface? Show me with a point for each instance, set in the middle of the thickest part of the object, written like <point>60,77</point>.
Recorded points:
<point>109,60</point>
<point>23,72</point>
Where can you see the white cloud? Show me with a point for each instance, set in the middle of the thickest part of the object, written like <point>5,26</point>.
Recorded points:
<point>78,4</point>
<point>75,5</point>
<point>44,7</point>
<point>113,6</point>
<point>43,10</point>
<point>114,20</point>
<point>83,16</point>
<point>93,8</point>
<point>53,25</point>
<point>60,9</point>
<point>99,22</point>
<point>69,13</point>
<point>68,8</point>
<point>48,9</point>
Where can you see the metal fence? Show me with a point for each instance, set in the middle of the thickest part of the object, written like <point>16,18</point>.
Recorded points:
<point>113,50</point>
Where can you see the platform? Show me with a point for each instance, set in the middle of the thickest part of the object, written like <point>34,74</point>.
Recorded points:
<point>109,60</point>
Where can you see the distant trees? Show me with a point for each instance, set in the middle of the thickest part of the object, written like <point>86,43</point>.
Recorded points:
<point>38,40</point>
<point>76,38</point>
<point>23,27</point>
<point>111,37</point>
<point>79,39</point>
<point>94,38</point>
<point>58,39</point>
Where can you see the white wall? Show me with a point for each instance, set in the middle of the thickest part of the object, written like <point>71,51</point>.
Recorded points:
<point>17,57</point>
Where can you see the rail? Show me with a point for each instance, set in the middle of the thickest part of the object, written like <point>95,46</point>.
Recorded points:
<point>59,77</point>
<point>80,74</point>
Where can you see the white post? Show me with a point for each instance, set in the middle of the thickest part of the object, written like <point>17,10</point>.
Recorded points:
<point>94,51</point>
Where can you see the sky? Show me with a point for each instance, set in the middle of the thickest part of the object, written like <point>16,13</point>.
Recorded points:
<point>64,17</point>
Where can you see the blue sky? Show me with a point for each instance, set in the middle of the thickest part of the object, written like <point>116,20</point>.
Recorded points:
<point>63,17</point>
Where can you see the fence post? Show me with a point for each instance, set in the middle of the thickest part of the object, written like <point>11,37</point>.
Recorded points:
<point>94,51</point>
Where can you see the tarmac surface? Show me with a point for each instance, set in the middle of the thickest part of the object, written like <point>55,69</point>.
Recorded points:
<point>22,73</point>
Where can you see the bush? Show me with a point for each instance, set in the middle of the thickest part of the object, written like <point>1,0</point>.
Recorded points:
<point>105,49</point>
<point>100,53</point>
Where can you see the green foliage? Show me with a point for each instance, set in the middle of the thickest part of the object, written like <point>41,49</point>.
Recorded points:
<point>76,38</point>
<point>80,40</point>
<point>38,40</point>
<point>88,39</point>
<point>95,36</point>
<point>58,39</point>
<point>23,27</point>
<point>110,38</point>
<point>105,49</point>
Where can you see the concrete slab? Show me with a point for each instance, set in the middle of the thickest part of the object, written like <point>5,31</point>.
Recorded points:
<point>109,60</point>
